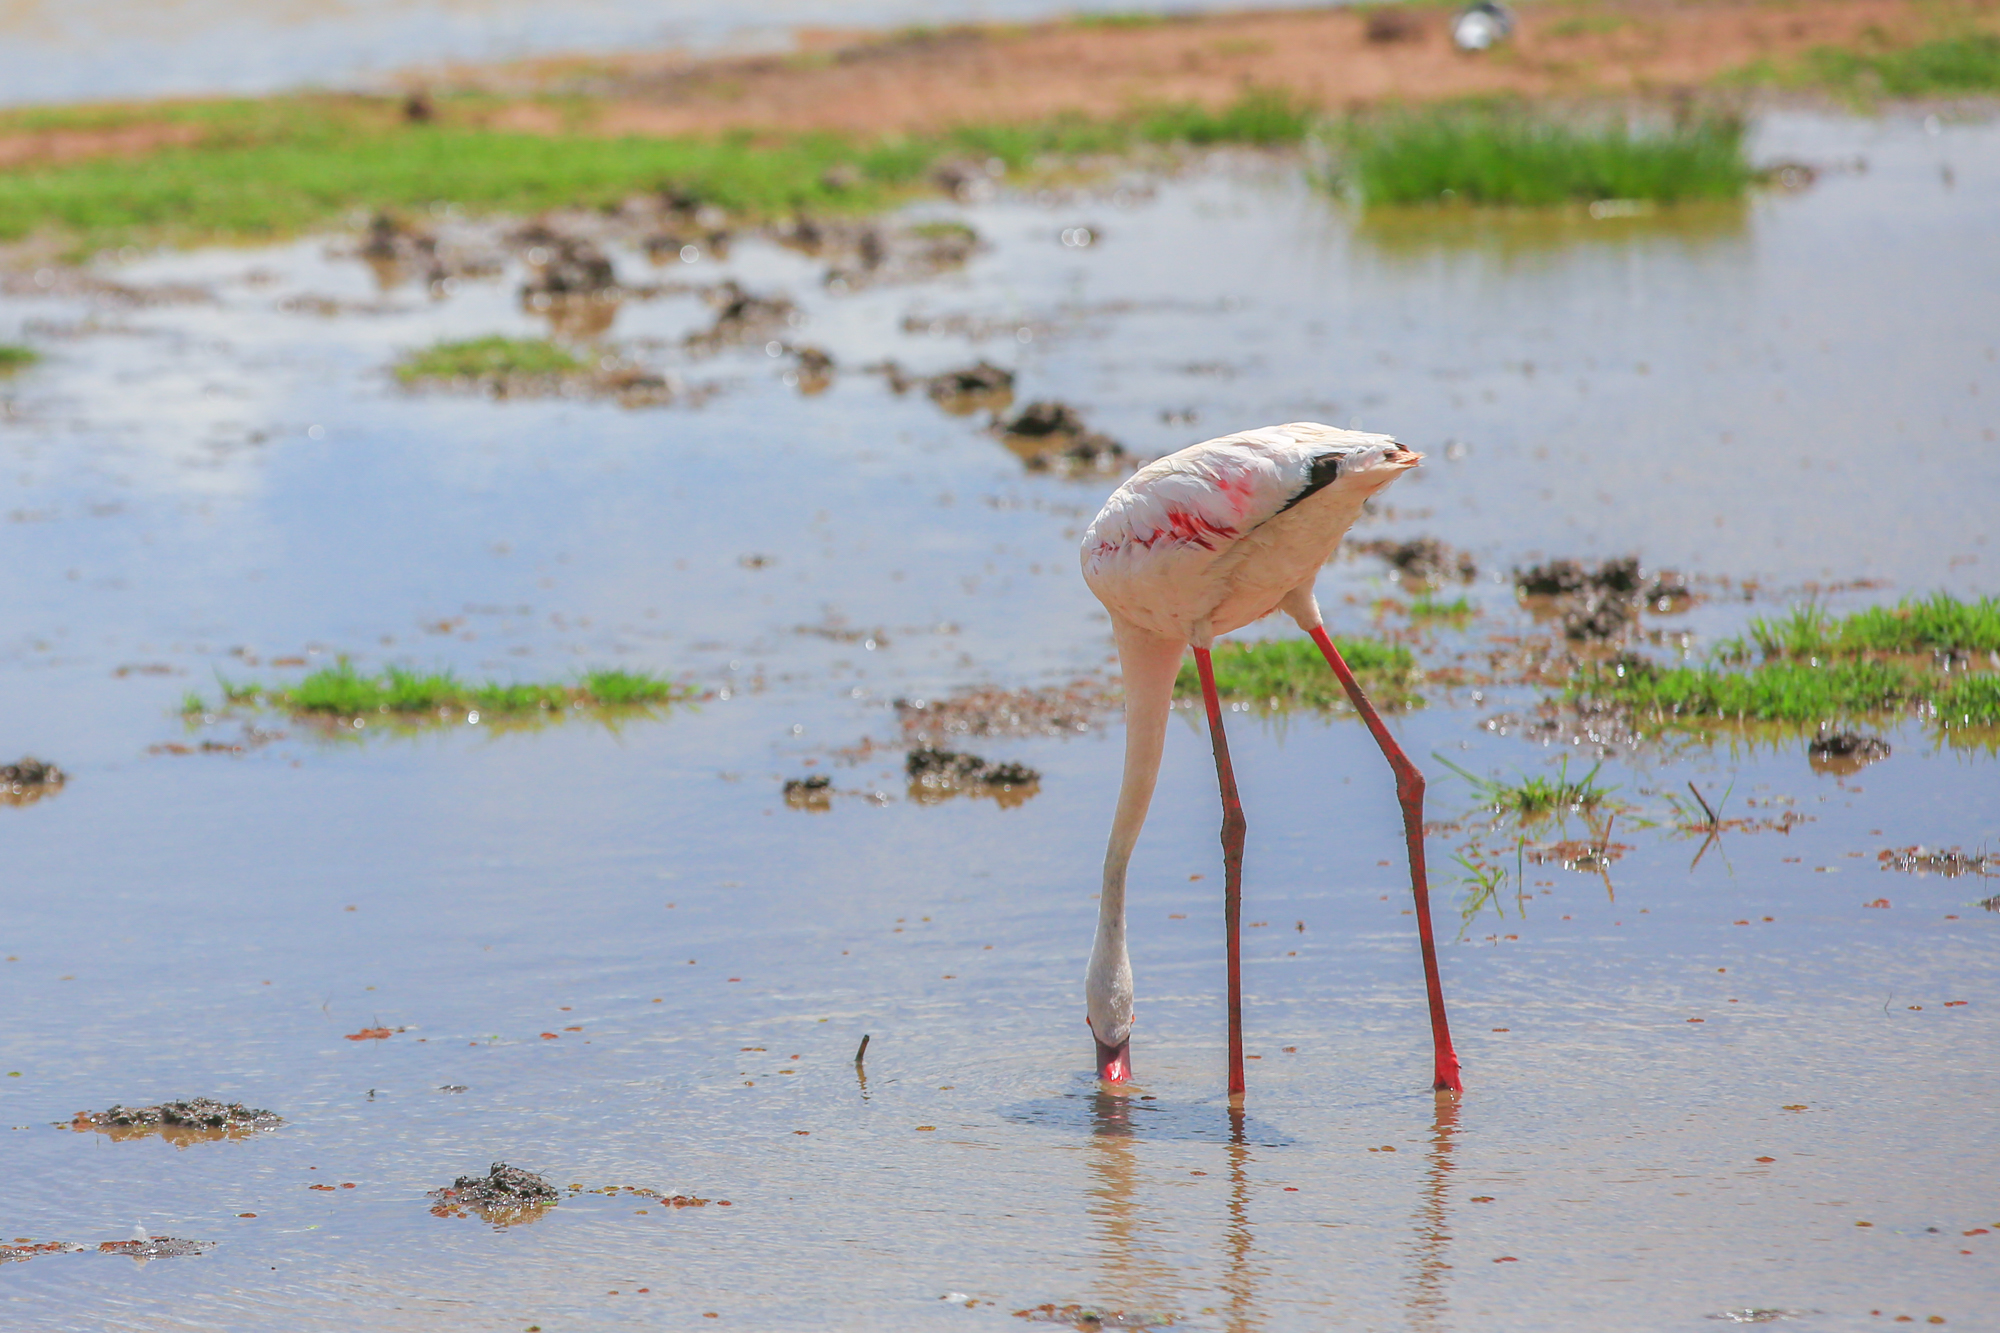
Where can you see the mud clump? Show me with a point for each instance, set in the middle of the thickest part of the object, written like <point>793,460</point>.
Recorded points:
<point>1598,603</point>
<point>156,1247</point>
<point>812,371</point>
<point>980,386</point>
<point>741,316</point>
<point>505,1194</point>
<point>1051,434</point>
<point>200,1113</point>
<point>1424,560</point>
<point>563,266</point>
<point>937,775</point>
<point>1392,23</point>
<point>28,780</point>
<point>1949,862</point>
<point>1845,752</point>
<point>809,793</point>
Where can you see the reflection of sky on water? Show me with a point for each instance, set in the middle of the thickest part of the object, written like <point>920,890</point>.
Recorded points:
<point>82,50</point>
<point>507,886</point>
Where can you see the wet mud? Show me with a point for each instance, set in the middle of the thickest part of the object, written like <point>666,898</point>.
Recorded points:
<point>504,1196</point>
<point>1845,753</point>
<point>937,775</point>
<point>1421,559</point>
<point>1052,435</point>
<point>1079,707</point>
<point>28,780</point>
<point>195,1120</point>
<point>1950,862</point>
<point>1088,1317</point>
<point>813,792</point>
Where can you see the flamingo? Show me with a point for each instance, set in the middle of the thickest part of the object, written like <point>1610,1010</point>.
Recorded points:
<point>1195,545</point>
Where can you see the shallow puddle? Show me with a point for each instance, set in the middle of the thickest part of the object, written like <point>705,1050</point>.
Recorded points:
<point>1708,1080</point>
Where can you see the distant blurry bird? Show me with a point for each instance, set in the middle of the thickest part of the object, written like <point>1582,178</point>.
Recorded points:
<point>1198,544</point>
<point>1481,25</point>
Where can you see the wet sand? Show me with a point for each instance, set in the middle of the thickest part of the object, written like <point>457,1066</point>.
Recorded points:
<point>616,957</point>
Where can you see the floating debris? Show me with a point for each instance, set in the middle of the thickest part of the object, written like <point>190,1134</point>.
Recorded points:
<point>937,775</point>
<point>1579,854</point>
<point>143,1247</point>
<point>28,780</point>
<point>1950,862</point>
<point>1046,434</point>
<point>809,793</point>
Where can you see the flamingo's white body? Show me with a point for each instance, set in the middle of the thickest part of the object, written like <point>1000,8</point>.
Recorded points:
<point>1197,544</point>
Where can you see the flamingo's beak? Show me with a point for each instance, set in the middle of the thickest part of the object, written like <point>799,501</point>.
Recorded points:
<point>1401,457</point>
<point>1114,1063</point>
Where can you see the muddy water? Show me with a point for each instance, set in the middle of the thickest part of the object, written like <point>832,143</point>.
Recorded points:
<point>1798,394</point>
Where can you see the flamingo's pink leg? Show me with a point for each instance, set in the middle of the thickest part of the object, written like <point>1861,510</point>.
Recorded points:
<point>1233,825</point>
<point>1410,792</point>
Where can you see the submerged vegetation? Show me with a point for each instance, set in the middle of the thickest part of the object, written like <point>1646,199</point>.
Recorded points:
<point>342,691</point>
<point>1484,154</point>
<point>1290,673</point>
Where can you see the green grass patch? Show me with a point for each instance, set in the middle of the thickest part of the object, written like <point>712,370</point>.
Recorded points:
<point>342,691</point>
<point>1290,673</point>
<point>1949,66</point>
<point>489,357</point>
<point>1792,692</point>
<point>1510,156</point>
<point>1939,623</point>
<point>1538,795</point>
<point>14,357</point>
<point>273,167</point>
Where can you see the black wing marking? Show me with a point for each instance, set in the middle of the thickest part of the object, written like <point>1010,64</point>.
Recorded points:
<point>1325,471</point>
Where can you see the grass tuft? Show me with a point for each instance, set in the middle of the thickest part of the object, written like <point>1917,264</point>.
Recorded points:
<point>1536,796</point>
<point>1939,623</point>
<point>1946,67</point>
<point>1427,607</point>
<point>494,357</point>
<point>1505,156</point>
<point>1290,673</point>
<point>1792,692</point>
<point>343,691</point>
<point>265,168</point>
<point>14,357</point>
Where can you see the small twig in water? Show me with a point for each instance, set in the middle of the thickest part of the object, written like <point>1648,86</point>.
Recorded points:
<point>1704,804</point>
<point>861,1050</point>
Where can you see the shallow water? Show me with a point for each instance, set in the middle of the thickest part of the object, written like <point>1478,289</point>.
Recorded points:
<point>84,50</point>
<point>1797,395</point>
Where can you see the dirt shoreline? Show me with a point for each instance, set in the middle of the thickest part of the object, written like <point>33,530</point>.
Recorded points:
<point>1336,59</point>
<point>919,81</point>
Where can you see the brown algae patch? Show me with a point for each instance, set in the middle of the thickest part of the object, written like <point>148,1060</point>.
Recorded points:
<point>195,1120</point>
<point>28,780</point>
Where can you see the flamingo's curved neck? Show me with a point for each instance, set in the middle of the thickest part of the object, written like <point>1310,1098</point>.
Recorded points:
<point>1149,663</point>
